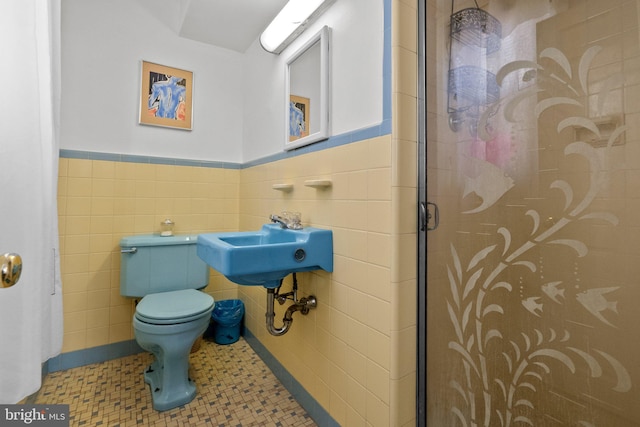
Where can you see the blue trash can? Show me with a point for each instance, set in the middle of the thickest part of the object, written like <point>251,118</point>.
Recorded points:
<point>227,321</point>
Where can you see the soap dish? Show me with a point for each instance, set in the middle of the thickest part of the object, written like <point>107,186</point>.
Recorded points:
<point>318,183</point>
<point>282,187</point>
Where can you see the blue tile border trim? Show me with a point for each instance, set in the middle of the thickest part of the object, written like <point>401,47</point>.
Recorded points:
<point>383,128</point>
<point>88,356</point>
<point>130,158</point>
<point>313,408</point>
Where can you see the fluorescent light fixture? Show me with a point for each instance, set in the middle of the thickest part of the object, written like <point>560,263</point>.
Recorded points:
<point>292,20</point>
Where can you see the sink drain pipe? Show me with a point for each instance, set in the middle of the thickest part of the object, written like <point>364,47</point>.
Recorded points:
<point>303,305</point>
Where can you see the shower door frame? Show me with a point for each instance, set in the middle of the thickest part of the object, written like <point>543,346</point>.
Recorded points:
<point>421,297</point>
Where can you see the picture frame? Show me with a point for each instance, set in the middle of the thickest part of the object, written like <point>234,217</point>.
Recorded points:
<point>298,117</point>
<point>166,96</point>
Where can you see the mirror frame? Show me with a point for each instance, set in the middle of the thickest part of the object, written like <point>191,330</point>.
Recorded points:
<point>324,132</point>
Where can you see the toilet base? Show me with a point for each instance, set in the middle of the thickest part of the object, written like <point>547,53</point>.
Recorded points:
<point>162,399</point>
<point>168,374</point>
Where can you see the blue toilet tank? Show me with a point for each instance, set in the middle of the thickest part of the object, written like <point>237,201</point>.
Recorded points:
<point>151,264</point>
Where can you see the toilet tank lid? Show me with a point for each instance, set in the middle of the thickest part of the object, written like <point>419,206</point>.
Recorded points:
<point>174,304</point>
<point>157,240</point>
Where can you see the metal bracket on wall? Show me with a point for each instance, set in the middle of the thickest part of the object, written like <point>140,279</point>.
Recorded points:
<point>426,216</point>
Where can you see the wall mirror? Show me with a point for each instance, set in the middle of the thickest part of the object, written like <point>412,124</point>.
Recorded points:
<point>307,92</point>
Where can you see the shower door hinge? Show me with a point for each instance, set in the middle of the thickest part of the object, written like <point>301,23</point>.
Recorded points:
<point>426,216</point>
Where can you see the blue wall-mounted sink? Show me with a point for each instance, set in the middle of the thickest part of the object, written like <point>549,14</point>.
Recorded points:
<point>266,256</point>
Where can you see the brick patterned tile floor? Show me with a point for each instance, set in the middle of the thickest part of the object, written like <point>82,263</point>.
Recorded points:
<point>235,388</point>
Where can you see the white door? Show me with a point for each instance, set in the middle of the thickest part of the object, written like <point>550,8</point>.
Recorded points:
<point>30,311</point>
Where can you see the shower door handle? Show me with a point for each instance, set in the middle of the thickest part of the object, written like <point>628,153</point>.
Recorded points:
<point>425,216</point>
<point>10,269</point>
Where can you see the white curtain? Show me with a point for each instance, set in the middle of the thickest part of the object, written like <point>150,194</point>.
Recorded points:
<point>30,311</point>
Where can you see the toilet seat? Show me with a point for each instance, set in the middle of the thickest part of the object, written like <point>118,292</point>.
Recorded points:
<point>168,308</point>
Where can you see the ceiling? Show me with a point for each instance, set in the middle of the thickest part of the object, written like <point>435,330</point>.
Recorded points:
<point>231,24</point>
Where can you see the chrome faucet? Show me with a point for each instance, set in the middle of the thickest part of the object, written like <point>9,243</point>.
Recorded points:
<point>278,219</point>
<point>285,221</point>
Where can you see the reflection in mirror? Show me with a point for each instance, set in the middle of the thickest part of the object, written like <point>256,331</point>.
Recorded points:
<point>307,92</point>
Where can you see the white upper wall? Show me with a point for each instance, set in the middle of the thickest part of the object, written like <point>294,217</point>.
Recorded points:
<point>357,36</point>
<point>103,44</point>
<point>239,105</point>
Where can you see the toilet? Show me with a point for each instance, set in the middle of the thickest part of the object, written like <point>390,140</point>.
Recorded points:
<point>166,273</point>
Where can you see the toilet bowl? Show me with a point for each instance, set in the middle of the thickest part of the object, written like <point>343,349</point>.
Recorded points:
<point>172,314</point>
<point>167,324</point>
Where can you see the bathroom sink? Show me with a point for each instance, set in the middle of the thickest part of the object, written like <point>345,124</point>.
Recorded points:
<point>266,256</point>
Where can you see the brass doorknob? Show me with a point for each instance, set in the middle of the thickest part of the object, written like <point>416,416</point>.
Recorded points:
<point>10,269</point>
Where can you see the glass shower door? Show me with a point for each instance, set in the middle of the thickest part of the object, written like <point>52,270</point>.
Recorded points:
<point>533,157</point>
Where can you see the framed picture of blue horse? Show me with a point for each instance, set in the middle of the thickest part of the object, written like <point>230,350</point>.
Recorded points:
<point>298,117</point>
<point>166,97</point>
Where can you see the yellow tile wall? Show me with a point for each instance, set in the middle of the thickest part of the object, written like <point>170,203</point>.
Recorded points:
<point>354,353</point>
<point>404,79</point>
<point>99,202</point>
